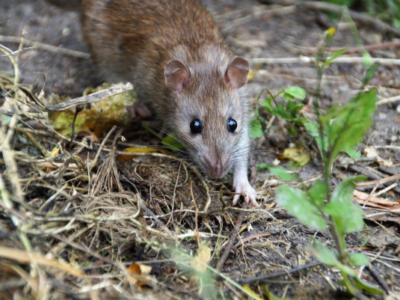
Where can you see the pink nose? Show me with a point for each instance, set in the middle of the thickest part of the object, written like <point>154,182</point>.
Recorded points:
<point>217,168</point>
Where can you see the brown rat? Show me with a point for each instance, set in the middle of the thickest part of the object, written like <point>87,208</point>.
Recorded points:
<point>173,53</point>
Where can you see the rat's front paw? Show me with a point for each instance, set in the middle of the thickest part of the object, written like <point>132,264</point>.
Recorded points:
<point>245,188</point>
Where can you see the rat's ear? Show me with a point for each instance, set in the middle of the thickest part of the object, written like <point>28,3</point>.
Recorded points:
<point>177,76</point>
<point>237,72</point>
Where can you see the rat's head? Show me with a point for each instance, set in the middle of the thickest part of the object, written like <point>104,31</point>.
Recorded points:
<point>210,115</point>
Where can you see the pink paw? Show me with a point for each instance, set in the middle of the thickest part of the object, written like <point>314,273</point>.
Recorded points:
<point>245,188</point>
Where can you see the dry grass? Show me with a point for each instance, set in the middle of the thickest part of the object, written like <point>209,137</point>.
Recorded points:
<point>73,217</point>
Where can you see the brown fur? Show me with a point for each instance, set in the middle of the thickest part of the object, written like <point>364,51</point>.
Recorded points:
<point>133,40</point>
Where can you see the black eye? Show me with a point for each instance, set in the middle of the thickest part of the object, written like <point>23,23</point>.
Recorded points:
<point>232,125</point>
<point>195,126</point>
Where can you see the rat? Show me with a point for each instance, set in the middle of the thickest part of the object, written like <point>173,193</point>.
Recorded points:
<point>183,72</point>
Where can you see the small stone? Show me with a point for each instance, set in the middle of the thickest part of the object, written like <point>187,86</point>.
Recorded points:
<point>66,31</point>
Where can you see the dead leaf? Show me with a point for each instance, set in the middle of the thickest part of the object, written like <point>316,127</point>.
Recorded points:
<point>101,116</point>
<point>203,256</point>
<point>251,75</point>
<point>371,152</point>
<point>53,152</point>
<point>139,150</point>
<point>377,202</point>
<point>297,154</point>
<point>90,134</point>
<point>140,270</point>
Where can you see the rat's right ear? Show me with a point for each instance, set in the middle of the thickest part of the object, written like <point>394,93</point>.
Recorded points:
<point>177,76</point>
<point>237,72</point>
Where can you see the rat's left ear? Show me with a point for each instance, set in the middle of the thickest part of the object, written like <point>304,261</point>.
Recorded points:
<point>237,72</point>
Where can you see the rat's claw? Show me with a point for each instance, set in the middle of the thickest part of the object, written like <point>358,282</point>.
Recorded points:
<point>245,188</point>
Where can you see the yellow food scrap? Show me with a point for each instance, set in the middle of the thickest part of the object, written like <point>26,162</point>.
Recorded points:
<point>296,154</point>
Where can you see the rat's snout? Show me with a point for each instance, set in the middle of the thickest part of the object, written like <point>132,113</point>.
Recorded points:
<point>217,166</point>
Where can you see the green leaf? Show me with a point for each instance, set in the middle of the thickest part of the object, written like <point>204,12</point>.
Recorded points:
<point>345,126</point>
<point>359,259</point>
<point>295,92</point>
<point>323,254</point>
<point>344,191</point>
<point>172,143</point>
<point>268,105</point>
<point>346,269</point>
<point>327,257</point>
<point>370,73</point>
<point>396,23</point>
<point>281,173</point>
<point>263,166</point>
<point>318,192</point>
<point>292,130</point>
<point>255,128</point>
<point>348,216</point>
<point>334,55</point>
<point>296,202</point>
<point>364,286</point>
<point>353,153</point>
<point>311,128</point>
<point>294,108</point>
<point>281,112</point>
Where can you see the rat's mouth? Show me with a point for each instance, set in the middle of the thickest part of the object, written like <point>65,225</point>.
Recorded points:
<point>216,168</point>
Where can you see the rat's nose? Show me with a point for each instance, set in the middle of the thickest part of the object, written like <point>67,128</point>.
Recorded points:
<point>217,167</point>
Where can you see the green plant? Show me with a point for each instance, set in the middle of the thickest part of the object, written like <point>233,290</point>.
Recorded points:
<point>386,10</point>
<point>339,129</point>
<point>290,111</point>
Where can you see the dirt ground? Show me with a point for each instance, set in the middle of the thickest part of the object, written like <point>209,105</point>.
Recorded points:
<point>253,30</point>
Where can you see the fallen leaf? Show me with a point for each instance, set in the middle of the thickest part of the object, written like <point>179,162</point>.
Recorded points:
<point>377,202</point>
<point>139,150</point>
<point>172,142</point>
<point>101,116</point>
<point>203,255</point>
<point>90,134</point>
<point>53,152</point>
<point>251,75</point>
<point>140,270</point>
<point>371,152</point>
<point>297,154</point>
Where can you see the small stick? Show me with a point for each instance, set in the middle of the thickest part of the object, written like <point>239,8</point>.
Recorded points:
<point>338,60</point>
<point>380,181</point>
<point>234,234</point>
<point>196,230</point>
<point>378,278</point>
<point>277,274</point>
<point>154,217</point>
<point>388,100</point>
<point>249,238</point>
<point>111,91</point>
<point>354,50</point>
<point>205,186</point>
<point>38,45</point>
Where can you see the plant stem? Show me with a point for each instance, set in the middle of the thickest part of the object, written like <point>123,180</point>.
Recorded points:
<point>350,288</point>
<point>324,152</point>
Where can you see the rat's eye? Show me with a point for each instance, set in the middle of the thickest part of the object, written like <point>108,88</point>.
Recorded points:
<point>195,126</point>
<point>232,125</point>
